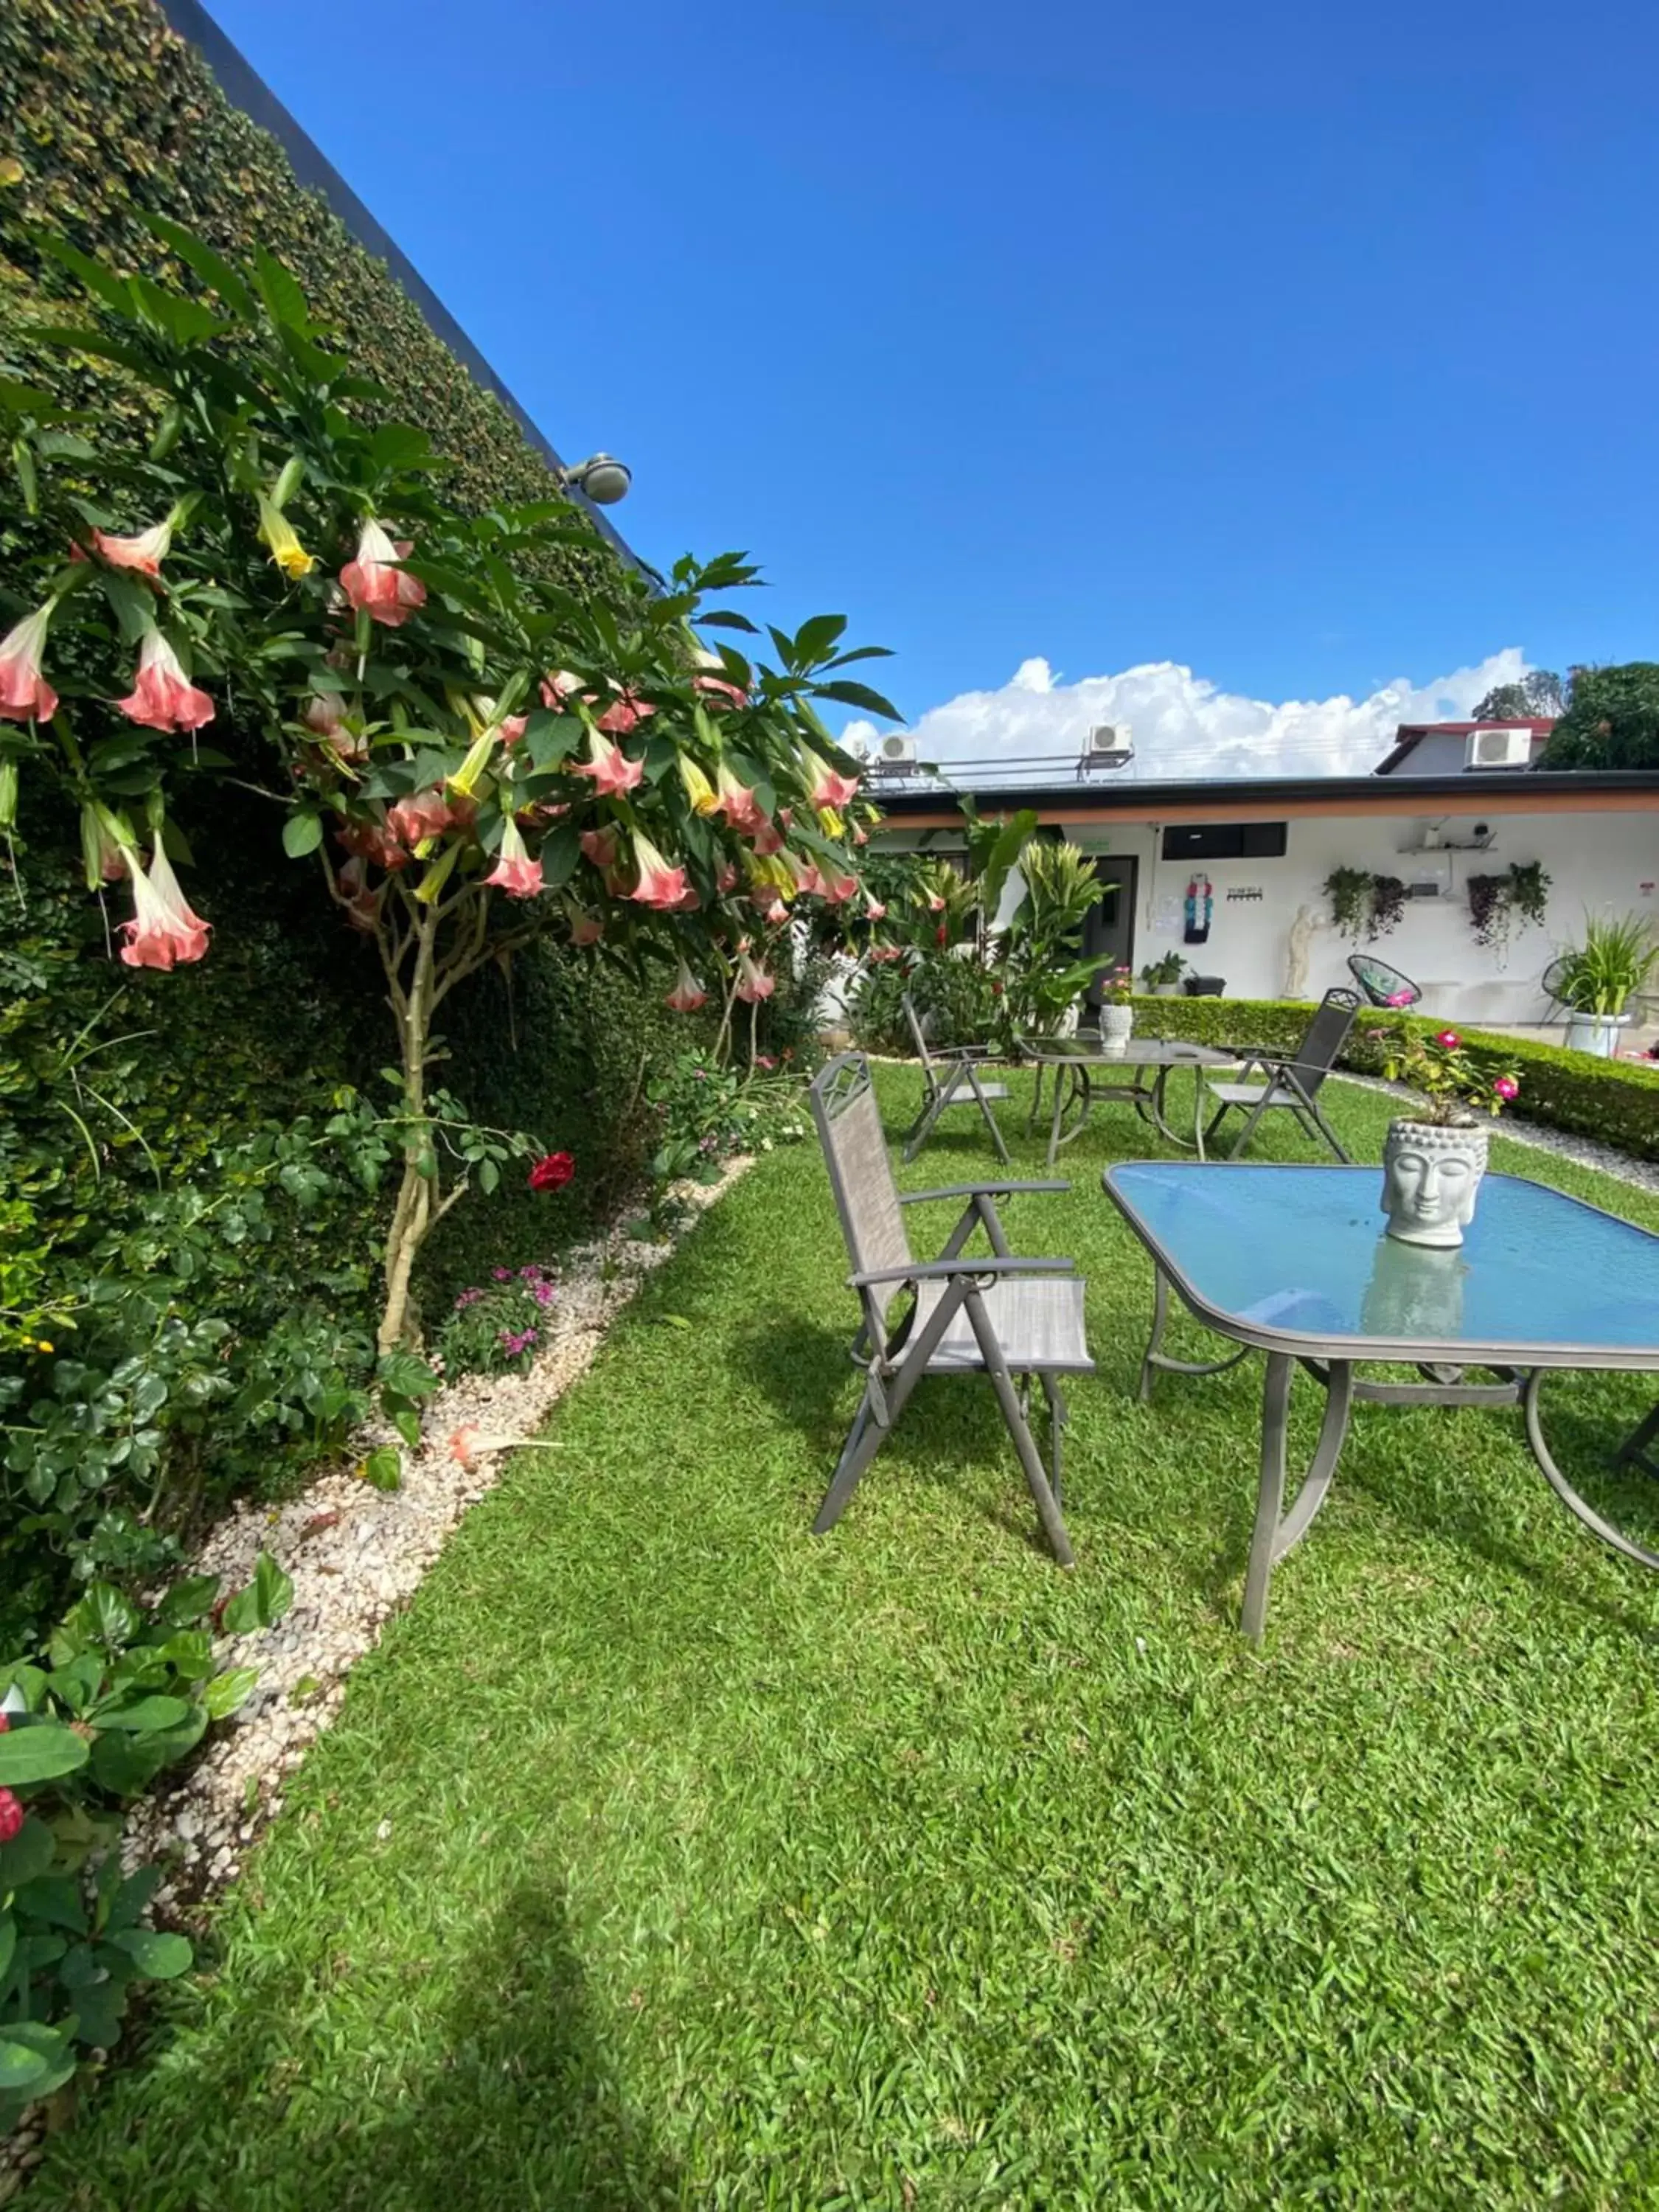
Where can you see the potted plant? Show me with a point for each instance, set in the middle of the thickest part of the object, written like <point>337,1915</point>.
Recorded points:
<point>1117,1014</point>
<point>1433,1158</point>
<point>1163,977</point>
<point>1601,977</point>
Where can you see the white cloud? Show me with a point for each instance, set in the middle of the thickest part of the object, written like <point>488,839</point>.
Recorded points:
<point>1184,725</point>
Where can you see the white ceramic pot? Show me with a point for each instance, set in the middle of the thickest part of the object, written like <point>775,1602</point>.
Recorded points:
<point>1430,1175</point>
<point>1595,1033</point>
<point>1166,990</point>
<point>1116,1027</point>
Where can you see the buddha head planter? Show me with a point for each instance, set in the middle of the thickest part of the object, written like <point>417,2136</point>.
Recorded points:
<point>1431,1173</point>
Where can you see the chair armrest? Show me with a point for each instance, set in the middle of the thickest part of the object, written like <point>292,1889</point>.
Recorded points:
<point>934,1270</point>
<point>975,1190</point>
<point>962,1052</point>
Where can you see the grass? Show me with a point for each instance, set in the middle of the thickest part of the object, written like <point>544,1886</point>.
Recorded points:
<point>664,1854</point>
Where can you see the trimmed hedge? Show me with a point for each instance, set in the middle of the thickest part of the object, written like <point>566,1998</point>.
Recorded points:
<point>1612,1102</point>
<point>107,113</point>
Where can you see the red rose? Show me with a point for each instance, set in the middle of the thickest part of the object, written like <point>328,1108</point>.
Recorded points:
<point>552,1171</point>
<point>11,1815</point>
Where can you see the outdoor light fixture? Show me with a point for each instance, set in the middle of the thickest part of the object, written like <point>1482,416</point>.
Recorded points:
<point>603,477</point>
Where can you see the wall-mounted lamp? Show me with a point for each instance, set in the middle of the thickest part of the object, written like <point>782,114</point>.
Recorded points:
<point>602,476</point>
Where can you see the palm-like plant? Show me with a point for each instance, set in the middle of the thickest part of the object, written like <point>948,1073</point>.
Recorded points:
<point>1603,974</point>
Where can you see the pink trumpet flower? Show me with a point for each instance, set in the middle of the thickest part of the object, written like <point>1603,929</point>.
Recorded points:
<point>25,693</point>
<point>363,906</point>
<point>659,884</point>
<point>162,697</point>
<point>609,766</point>
<point>726,877</point>
<point>163,931</point>
<point>738,803</point>
<point>412,821</point>
<point>145,552</point>
<point>838,888</point>
<point>515,872</point>
<point>808,881</point>
<point>368,839</point>
<point>688,994</point>
<point>718,692</point>
<point>624,714</point>
<point>600,846</point>
<point>586,928</point>
<point>753,982</point>
<point>829,787</point>
<point>557,688</point>
<point>374,585</point>
<point>879,953</point>
<point>873,909</point>
<point>768,838</point>
<point>324,713</point>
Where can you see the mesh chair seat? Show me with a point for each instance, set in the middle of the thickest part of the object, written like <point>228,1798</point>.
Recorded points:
<point>1253,1094</point>
<point>1038,1323</point>
<point>1383,985</point>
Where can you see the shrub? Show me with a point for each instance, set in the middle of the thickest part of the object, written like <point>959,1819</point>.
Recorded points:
<point>497,1327</point>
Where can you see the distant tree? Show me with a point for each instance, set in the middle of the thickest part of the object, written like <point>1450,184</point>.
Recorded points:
<point>1611,720</point>
<point>1538,692</point>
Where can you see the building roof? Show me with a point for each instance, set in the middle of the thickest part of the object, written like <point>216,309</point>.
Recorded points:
<point>1410,735</point>
<point>932,805</point>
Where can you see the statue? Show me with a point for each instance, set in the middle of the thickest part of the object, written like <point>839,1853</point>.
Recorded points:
<point>1299,951</point>
<point>1430,1177</point>
<point>1414,1292</point>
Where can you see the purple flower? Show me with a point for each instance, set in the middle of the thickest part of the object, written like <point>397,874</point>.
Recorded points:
<point>467,1298</point>
<point>503,1274</point>
<point>543,1294</point>
<point>531,1275</point>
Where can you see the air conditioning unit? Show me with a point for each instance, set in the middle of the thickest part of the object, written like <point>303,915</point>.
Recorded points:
<point>1498,749</point>
<point>896,751</point>
<point>1109,744</point>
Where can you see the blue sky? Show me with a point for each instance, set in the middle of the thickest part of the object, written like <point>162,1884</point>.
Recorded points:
<point>1303,347</point>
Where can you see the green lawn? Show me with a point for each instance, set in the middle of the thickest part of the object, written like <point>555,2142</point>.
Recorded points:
<point>730,1867</point>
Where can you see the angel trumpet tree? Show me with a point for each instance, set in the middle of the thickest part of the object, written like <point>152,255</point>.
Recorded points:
<point>371,658</point>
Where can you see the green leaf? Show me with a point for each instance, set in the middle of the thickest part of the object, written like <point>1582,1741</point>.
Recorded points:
<point>28,1856</point>
<point>302,833</point>
<point>861,695</point>
<point>816,639</point>
<point>55,1899</point>
<point>8,1945</point>
<point>105,1614</point>
<point>725,619</point>
<point>188,1602</point>
<point>158,1957</point>
<point>226,1693</point>
<point>132,604</point>
<point>39,1752</point>
<point>21,2065</point>
<point>398,446</point>
<point>284,300</point>
<point>144,1716</point>
<point>204,261</point>
<point>384,1468</point>
<point>185,322</point>
<point>103,284</point>
<point>559,855</point>
<point>27,481</point>
<point>126,1764</point>
<point>99,2012</point>
<point>407,1373</point>
<point>265,1601</point>
<point>131,1898</point>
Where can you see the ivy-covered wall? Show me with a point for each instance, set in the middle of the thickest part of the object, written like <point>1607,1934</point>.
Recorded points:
<point>104,111</point>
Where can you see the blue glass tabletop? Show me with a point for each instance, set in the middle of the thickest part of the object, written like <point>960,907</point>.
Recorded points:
<point>1299,1252</point>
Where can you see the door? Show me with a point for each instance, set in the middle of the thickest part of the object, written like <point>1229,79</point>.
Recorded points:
<point>1108,934</point>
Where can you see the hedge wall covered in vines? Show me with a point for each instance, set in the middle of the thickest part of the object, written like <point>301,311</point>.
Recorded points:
<point>104,111</point>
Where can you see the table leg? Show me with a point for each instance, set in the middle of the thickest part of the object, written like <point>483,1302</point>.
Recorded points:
<point>1564,1490</point>
<point>1157,1361</point>
<point>1277,1531</point>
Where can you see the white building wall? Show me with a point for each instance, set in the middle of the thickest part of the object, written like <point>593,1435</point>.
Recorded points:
<point>1599,863</point>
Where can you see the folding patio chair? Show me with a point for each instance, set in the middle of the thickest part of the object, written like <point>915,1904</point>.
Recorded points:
<point>1383,985</point>
<point>1291,1080</point>
<point>960,1314</point>
<point>950,1076</point>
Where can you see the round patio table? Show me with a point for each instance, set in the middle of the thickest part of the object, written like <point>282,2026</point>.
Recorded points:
<point>1085,1071</point>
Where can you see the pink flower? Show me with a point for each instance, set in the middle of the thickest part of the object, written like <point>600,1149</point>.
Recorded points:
<point>624,714</point>
<point>163,697</point>
<point>1399,999</point>
<point>768,838</point>
<point>586,929</point>
<point>163,929</point>
<point>1506,1087</point>
<point>600,846</point>
<point>753,982</point>
<point>1449,1040</point>
<point>772,908</point>
<point>688,994</point>
<point>373,584</point>
<point>765,1060</point>
<point>11,1814</point>
<point>829,787</point>
<point>363,906</point>
<point>659,884</point>
<point>838,888</point>
<point>808,881</point>
<point>371,840</point>
<point>736,801</point>
<point>513,728</point>
<point>935,903</point>
<point>463,1447</point>
<point>323,712</point>
<point>515,872</point>
<point>145,552</point>
<point>557,688</point>
<point>609,766</point>
<point>879,953</point>
<point>718,690</point>
<point>726,877</point>
<point>25,693</point>
<point>412,821</point>
<point>873,909</point>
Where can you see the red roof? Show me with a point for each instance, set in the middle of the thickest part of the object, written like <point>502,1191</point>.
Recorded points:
<point>1409,735</point>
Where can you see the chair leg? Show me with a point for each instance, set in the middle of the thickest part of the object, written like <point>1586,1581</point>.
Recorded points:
<point>1058,1416</point>
<point>863,1442</point>
<point>996,1366</point>
<point>990,1118</point>
<point>1329,1135</point>
<point>1250,1127</point>
<point>1207,1135</point>
<point>922,1127</point>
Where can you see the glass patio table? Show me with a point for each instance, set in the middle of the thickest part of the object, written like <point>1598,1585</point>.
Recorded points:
<point>1083,1071</point>
<point>1293,1262</point>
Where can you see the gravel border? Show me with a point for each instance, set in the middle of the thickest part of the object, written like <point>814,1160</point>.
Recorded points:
<point>1644,1174</point>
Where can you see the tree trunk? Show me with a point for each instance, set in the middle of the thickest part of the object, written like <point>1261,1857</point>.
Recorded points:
<point>418,1193</point>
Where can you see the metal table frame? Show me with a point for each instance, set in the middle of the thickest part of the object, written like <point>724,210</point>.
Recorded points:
<point>1520,1369</point>
<point>1089,1067</point>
